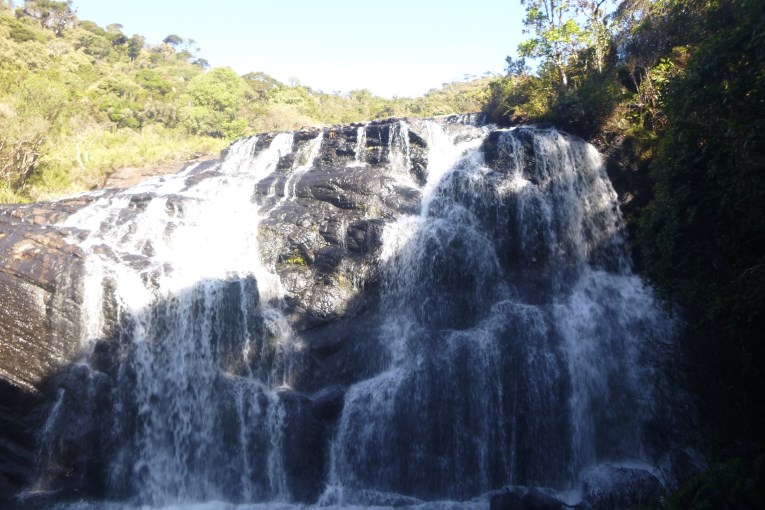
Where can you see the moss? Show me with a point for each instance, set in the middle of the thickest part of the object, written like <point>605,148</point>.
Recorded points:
<point>296,259</point>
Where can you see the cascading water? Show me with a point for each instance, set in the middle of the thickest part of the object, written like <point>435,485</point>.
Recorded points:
<point>514,330</point>
<point>505,343</point>
<point>187,295</point>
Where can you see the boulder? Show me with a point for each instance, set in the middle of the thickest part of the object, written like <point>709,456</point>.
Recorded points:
<point>607,487</point>
<point>508,499</point>
<point>534,499</point>
<point>327,403</point>
<point>522,498</point>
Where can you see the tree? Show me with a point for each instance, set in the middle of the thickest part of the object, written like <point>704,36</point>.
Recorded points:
<point>115,35</point>
<point>56,16</point>
<point>556,35</point>
<point>135,45</point>
<point>261,83</point>
<point>516,66</point>
<point>596,28</point>
<point>216,100</point>
<point>173,40</point>
<point>21,140</point>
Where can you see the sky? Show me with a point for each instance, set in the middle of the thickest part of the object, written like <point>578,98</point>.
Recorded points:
<point>393,48</point>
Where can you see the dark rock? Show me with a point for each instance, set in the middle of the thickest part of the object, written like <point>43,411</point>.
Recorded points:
<point>304,451</point>
<point>686,464</point>
<point>506,500</point>
<point>521,498</point>
<point>72,469</point>
<point>608,487</point>
<point>365,236</point>
<point>329,259</point>
<point>324,243</point>
<point>535,499</point>
<point>499,155</point>
<point>328,403</point>
<point>22,413</point>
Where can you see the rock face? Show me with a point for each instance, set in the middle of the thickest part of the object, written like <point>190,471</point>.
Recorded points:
<point>40,274</point>
<point>325,242</point>
<point>382,313</point>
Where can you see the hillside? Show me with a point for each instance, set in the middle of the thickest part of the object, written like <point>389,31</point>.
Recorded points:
<point>78,101</point>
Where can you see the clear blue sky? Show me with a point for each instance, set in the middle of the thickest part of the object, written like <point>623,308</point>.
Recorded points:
<point>391,47</point>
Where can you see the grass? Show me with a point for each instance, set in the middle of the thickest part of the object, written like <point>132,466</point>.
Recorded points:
<point>83,161</point>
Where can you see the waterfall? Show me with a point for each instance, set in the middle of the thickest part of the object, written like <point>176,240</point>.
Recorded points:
<point>513,325</point>
<point>393,313</point>
<point>190,297</point>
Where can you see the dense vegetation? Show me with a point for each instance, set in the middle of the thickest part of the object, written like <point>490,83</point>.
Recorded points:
<point>674,92</point>
<point>78,100</point>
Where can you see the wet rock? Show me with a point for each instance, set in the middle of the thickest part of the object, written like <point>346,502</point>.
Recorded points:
<point>328,403</point>
<point>39,284</point>
<point>324,242</point>
<point>304,451</point>
<point>607,487</point>
<point>71,469</point>
<point>372,498</point>
<point>506,500</point>
<point>522,498</point>
<point>534,499</point>
<point>686,464</point>
<point>500,156</point>
<point>21,414</point>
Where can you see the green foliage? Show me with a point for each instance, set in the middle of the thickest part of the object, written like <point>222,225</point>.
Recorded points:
<point>735,484</point>
<point>153,81</point>
<point>21,33</point>
<point>82,160</point>
<point>135,45</point>
<point>519,99</point>
<point>56,16</point>
<point>173,40</point>
<point>261,84</point>
<point>22,137</point>
<point>78,100</point>
<point>217,99</point>
<point>556,35</point>
<point>702,236</point>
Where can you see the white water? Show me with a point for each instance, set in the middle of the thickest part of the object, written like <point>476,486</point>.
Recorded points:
<point>361,146</point>
<point>545,301</point>
<point>171,257</point>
